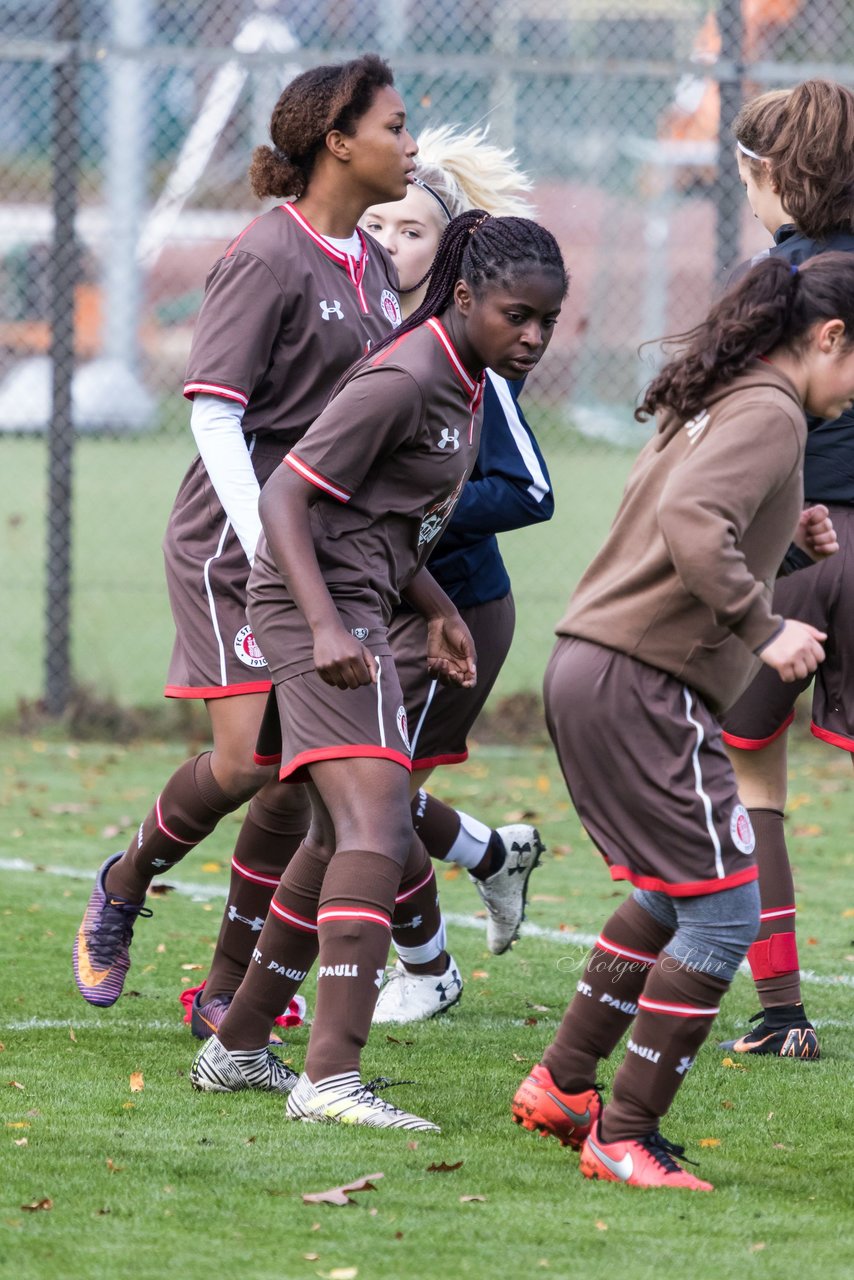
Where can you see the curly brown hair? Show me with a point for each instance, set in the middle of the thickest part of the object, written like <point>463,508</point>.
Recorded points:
<point>806,135</point>
<point>773,306</point>
<point>313,104</point>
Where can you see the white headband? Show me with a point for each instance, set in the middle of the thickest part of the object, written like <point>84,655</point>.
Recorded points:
<point>745,151</point>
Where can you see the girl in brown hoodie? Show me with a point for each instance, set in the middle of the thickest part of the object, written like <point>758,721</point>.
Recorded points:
<point>663,632</point>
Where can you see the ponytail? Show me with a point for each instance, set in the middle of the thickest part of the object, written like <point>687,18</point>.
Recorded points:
<point>774,305</point>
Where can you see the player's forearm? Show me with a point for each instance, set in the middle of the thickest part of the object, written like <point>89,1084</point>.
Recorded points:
<point>426,596</point>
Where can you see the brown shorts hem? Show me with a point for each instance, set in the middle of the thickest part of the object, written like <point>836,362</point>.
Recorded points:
<point>433,762</point>
<point>688,889</point>
<point>835,739</point>
<point>217,690</point>
<point>297,769</point>
<point>756,744</point>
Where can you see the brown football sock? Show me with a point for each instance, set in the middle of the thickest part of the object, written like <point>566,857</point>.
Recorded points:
<point>452,836</point>
<point>773,957</point>
<point>354,931</point>
<point>606,996</point>
<point>676,1012</point>
<point>276,821</point>
<point>188,808</point>
<point>284,953</point>
<point>416,927</point>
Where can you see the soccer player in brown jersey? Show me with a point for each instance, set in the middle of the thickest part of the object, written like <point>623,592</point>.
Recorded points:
<point>664,631</point>
<point>795,154</point>
<point>508,489</point>
<point>295,299</point>
<point>349,520</point>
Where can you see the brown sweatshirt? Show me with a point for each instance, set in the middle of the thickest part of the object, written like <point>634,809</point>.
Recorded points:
<point>684,580</point>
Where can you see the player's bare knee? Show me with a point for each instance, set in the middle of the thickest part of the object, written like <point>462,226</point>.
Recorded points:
<point>241,778</point>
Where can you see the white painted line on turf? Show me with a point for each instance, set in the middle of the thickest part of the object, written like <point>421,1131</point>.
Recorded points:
<point>91,1024</point>
<point>566,938</point>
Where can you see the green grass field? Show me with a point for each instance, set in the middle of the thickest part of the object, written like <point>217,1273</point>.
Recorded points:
<point>166,1182</point>
<point>121,624</point>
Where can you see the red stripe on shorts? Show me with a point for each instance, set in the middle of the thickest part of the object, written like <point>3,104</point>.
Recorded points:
<point>688,889</point>
<point>217,690</point>
<point>756,744</point>
<point>433,762</point>
<point>342,752</point>
<point>835,739</point>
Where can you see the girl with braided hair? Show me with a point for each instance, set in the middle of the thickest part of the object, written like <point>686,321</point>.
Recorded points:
<point>664,631</point>
<point>509,488</point>
<point>294,300</point>
<point>349,520</point>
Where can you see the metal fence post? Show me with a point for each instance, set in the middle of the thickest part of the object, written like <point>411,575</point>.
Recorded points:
<point>729,197</point>
<point>63,272</point>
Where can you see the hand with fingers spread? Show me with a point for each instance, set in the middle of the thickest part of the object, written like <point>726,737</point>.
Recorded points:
<point>795,651</point>
<point>815,533</point>
<point>341,660</point>
<point>451,658</point>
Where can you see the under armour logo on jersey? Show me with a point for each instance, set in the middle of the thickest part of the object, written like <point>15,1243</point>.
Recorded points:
<point>449,437</point>
<point>685,1065</point>
<point>334,310</point>
<point>697,426</point>
<point>378,980</point>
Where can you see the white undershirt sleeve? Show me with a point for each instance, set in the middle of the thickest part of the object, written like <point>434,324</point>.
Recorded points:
<point>216,426</point>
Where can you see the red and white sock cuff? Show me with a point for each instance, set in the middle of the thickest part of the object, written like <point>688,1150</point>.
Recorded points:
<point>777,913</point>
<point>356,914</point>
<point>410,892</point>
<point>303,923</point>
<point>256,877</point>
<point>676,1009</point>
<point>625,953</point>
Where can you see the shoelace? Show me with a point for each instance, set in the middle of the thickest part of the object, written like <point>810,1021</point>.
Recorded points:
<point>115,930</point>
<point>373,1086</point>
<point>664,1151</point>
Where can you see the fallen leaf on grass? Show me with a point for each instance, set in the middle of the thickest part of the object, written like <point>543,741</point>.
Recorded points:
<point>479,973</point>
<point>727,1105</point>
<point>137,1084</point>
<point>810,829</point>
<point>343,1195</point>
<point>398,1235</point>
<point>159,889</point>
<point>17,1124</point>
<point>211,867</point>
<point>758,1247</point>
<point>442,1167</point>
<point>600,1225</point>
<point>311,1257</point>
<point>110,832</point>
<point>340,1273</point>
<point>15,1084</point>
<point>114,1168</point>
<point>709,1142</point>
<point>188,968</point>
<point>22,1142</point>
<point>2,1048</point>
<point>530,1022</point>
<point>778,1146</point>
<point>69,807</point>
<point>393,1040</point>
<point>847,915</point>
<point>128,1106</point>
<point>45,1203</point>
<point>471,1199</point>
<point>102,1213</point>
<point>735,1066</point>
<point>161,948</point>
<point>247,1142</point>
<point>451,873</point>
<point>517,1057</point>
<point>540,1008</point>
<point>71,1036</point>
<point>412,1145</point>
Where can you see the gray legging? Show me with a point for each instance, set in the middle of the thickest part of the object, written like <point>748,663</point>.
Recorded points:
<point>711,932</point>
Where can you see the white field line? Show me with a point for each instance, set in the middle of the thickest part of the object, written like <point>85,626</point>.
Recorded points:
<point>565,938</point>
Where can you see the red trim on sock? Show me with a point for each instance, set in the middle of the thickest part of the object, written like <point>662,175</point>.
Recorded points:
<point>642,957</point>
<point>188,844</point>
<point>328,914</point>
<point>254,876</point>
<point>676,1010</point>
<point>777,914</point>
<point>264,760</point>
<point>290,917</point>
<point>410,893</point>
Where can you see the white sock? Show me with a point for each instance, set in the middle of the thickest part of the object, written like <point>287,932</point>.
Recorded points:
<point>471,842</point>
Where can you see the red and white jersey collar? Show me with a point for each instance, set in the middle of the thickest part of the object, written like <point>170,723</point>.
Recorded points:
<point>474,388</point>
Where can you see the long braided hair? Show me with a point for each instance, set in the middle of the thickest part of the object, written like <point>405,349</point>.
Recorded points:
<point>484,251</point>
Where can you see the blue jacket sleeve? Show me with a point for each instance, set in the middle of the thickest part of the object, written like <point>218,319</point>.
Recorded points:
<point>510,486</point>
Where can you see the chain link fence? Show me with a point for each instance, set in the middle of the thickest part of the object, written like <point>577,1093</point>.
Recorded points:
<point>126,129</point>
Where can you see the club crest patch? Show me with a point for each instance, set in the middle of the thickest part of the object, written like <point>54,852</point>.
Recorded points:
<point>741,830</point>
<point>390,307</point>
<point>361,633</point>
<point>403,727</point>
<point>247,650</point>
